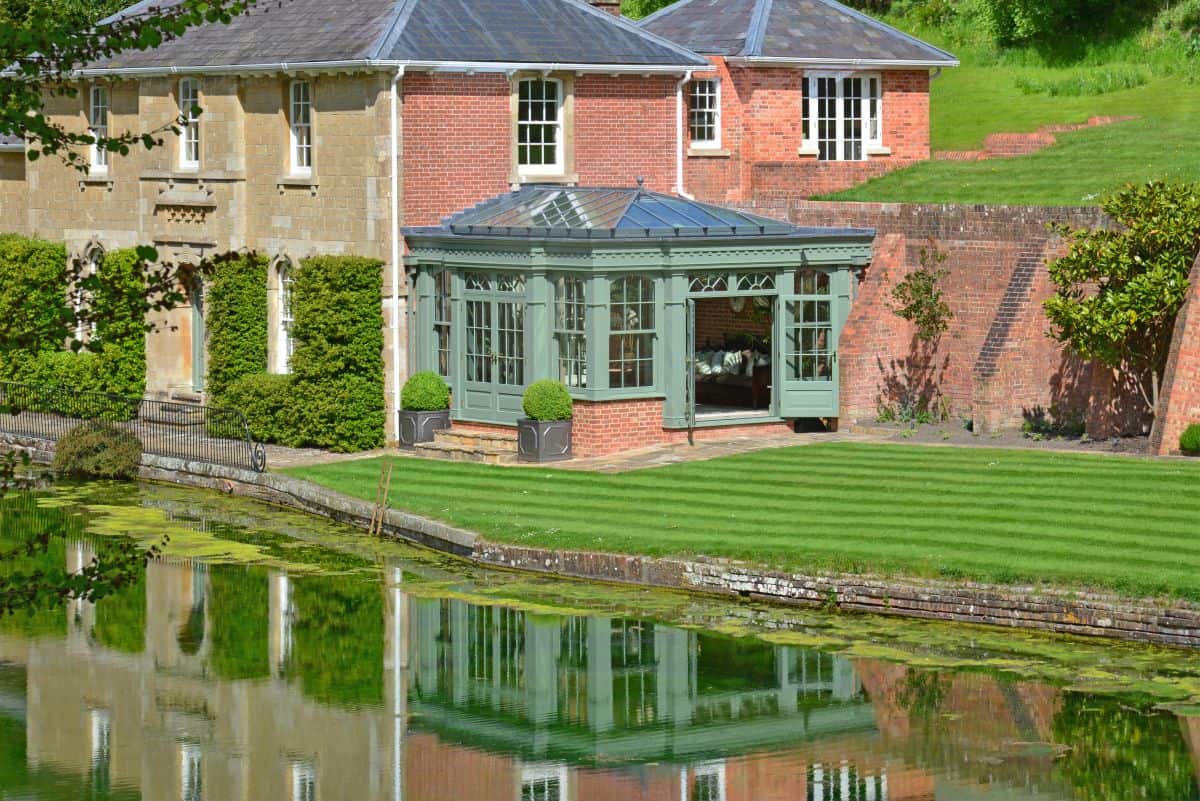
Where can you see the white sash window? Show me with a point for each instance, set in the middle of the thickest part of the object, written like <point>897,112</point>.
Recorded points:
<point>540,142</point>
<point>301,118</point>
<point>98,125</point>
<point>189,119</point>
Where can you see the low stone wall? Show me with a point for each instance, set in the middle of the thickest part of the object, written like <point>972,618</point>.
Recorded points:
<point>1060,611</point>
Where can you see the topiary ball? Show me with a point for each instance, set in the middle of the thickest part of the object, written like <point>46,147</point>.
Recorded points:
<point>425,392</point>
<point>547,400</point>
<point>1189,440</point>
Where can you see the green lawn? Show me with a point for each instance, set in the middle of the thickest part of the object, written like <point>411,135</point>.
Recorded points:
<point>982,97</point>
<point>1077,520</point>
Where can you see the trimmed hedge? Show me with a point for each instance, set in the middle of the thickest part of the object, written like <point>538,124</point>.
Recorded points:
<point>337,363</point>
<point>425,392</point>
<point>98,450</point>
<point>236,324</point>
<point>34,311</point>
<point>120,340</point>
<point>547,400</point>
<point>1189,440</point>
<point>266,401</point>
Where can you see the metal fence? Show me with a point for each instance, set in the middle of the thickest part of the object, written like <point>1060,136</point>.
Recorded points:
<point>165,428</point>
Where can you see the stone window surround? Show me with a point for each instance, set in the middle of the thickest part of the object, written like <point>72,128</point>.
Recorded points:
<point>567,110</point>
<point>293,170</point>
<point>99,98</point>
<point>871,146</point>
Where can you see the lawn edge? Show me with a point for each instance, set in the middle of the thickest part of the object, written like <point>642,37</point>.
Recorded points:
<point>1160,621</point>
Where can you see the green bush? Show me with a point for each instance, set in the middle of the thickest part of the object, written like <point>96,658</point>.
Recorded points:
<point>98,450</point>
<point>337,364</point>
<point>547,400</point>
<point>119,343</point>
<point>425,392</point>
<point>265,400</point>
<point>236,324</point>
<point>34,311</point>
<point>1189,440</point>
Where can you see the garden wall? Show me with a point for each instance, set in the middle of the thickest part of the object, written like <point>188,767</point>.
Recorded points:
<point>995,365</point>
<point>1179,401</point>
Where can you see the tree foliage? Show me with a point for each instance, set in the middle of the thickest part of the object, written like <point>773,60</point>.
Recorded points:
<point>1120,288</point>
<point>42,44</point>
<point>918,298</point>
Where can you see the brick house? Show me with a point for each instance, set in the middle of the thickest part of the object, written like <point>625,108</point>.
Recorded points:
<point>334,127</point>
<point>803,97</point>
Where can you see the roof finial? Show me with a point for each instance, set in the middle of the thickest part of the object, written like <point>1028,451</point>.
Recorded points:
<point>641,182</point>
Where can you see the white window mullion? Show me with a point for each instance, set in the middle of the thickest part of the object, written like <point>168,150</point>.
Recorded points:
<point>839,126</point>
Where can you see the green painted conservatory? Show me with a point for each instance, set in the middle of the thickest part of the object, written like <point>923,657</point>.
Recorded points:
<point>624,294</point>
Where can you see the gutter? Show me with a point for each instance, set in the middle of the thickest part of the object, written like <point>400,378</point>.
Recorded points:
<point>679,189</point>
<point>391,65</point>
<point>395,235</point>
<point>853,63</point>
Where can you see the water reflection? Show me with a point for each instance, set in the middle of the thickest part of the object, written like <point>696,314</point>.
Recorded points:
<point>217,683</point>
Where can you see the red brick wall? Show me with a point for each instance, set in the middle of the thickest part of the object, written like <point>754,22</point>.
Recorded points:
<point>762,132</point>
<point>608,427</point>
<point>715,318</point>
<point>995,364</point>
<point>457,137</point>
<point>1179,403</point>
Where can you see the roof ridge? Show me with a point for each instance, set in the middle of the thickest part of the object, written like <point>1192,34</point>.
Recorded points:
<point>757,30</point>
<point>387,40</point>
<point>883,26</point>
<point>669,8</point>
<point>633,27</point>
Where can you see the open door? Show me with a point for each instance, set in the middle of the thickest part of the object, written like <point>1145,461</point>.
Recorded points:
<point>689,363</point>
<point>810,325</point>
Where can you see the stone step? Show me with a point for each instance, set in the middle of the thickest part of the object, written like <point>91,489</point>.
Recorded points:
<point>497,441</point>
<point>459,452</point>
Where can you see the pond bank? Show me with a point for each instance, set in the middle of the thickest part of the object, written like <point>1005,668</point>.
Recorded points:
<point>1047,609</point>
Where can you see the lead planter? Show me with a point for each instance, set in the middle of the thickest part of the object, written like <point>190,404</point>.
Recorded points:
<point>421,426</point>
<point>543,440</point>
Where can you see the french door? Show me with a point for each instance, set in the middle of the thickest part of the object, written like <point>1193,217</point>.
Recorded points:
<point>811,327</point>
<point>494,346</point>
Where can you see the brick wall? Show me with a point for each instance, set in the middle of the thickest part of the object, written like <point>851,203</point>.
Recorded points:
<point>996,364</point>
<point>604,428</point>
<point>762,135</point>
<point>1179,402</point>
<point>458,137</point>
<point>715,318</point>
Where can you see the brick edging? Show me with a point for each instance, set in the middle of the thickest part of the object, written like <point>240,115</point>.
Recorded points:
<point>1053,610</point>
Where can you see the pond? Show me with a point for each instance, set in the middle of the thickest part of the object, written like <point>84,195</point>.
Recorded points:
<point>267,655</point>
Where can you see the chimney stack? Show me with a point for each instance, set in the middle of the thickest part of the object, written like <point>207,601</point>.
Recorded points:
<point>611,6</point>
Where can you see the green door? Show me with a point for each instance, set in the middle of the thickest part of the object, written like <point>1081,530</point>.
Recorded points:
<point>812,321</point>
<point>494,352</point>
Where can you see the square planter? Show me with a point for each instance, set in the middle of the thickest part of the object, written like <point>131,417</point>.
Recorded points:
<point>543,440</point>
<point>420,426</point>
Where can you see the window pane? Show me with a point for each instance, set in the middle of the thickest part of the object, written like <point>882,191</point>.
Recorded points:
<point>631,345</point>
<point>570,331</point>
<point>442,320</point>
<point>703,111</point>
<point>538,123</point>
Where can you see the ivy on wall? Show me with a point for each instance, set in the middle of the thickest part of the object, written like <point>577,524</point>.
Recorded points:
<point>34,303</point>
<point>334,397</point>
<point>236,323</point>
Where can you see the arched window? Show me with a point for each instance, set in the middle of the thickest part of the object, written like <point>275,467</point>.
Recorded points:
<point>82,300</point>
<point>284,344</point>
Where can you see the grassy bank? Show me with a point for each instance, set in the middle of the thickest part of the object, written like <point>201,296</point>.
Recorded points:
<point>989,515</point>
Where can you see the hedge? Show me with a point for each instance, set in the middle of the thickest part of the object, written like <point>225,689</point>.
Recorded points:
<point>236,324</point>
<point>337,362</point>
<point>33,303</point>
<point>266,402</point>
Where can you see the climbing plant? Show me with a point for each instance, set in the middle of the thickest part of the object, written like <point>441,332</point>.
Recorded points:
<point>919,298</point>
<point>236,322</point>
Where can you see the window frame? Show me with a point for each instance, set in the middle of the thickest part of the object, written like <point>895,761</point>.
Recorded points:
<point>99,156</point>
<point>443,323</point>
<point>189,134</point>
<point>650,331</point>
<point>544,773</point>
<point>560,166</point>
<point>297,148</point>
<point>871,98</point>
<point>285,275</point>
<point>571,318</point>
<point>715,142</point>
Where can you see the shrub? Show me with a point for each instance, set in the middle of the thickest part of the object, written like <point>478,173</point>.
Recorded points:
<point>120,338</point>
<point>1094,82</point>
<point>547,400</point>
<point>236,324</point>
<point>98,450</point>
<point>337,364</point>
<point>33,301</point>
<point>266,401</point>
<point>1189,440</point>
<point>425,392</point>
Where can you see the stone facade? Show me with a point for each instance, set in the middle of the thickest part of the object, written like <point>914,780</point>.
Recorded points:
<point>762,138</point>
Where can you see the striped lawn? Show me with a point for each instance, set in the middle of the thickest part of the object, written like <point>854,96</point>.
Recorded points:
<point>1131,525</point>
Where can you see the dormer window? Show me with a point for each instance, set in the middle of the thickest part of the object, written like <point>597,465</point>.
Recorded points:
<point>189,124</point>
<point>540,140</point>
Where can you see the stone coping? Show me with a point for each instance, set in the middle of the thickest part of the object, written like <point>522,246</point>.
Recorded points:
<point>1076,612</point>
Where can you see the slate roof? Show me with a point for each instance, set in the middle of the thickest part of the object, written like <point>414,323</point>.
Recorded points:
<point>554,212</point>
<point>310,32</point>
<point>807,31</point>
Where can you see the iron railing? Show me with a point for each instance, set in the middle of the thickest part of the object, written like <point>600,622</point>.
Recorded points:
<point>165,428</point>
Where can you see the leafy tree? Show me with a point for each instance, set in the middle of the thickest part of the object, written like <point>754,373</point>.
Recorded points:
<point>1120,288</point>
<point>918,297</point>
<point>42,42</point>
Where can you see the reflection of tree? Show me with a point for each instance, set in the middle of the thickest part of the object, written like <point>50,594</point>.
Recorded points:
<point>22,521</point>
<point>239,602</point>
<point>121,618</point>
<point>339,636</point>
<point>923,694</point>
<point>1122,753</point>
